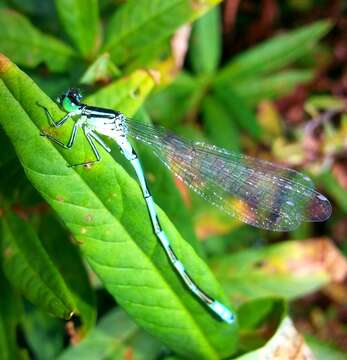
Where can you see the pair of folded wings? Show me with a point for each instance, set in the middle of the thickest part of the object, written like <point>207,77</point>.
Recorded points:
<point>254,191</point>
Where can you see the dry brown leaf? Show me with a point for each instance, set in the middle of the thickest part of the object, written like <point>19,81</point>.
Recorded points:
<point>318,254</point>
<point>286,344</point>
<point>309,257</point>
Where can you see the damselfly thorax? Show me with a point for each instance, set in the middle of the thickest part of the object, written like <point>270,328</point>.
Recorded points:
<point>109,123</point>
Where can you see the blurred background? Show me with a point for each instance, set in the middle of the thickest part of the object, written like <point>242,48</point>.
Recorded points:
<point>266,78</point>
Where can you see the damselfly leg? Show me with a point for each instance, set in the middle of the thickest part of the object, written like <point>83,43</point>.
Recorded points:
<point>87,132</point>
<point>60,143</point>
<point>58,123</point>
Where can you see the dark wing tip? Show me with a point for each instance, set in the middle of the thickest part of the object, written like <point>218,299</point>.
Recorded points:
<point>319,209</point>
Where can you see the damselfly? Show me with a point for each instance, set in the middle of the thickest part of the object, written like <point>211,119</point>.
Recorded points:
<point>254,191</point>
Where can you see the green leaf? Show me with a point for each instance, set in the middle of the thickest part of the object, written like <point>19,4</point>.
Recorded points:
<point>10,316</point>
<point>148,58</point>
<point>205,43</point>
<point>288,270</point>
<point>272,86</point>
<point>115,337</point>
<point>255,313</point>
<point>15,187</point>
<point>268,333</point>
<point>238,110</point>
<point>273,54</point>
<point>104,209</point>
<point>34,7</point>
<point>219,125</point>
<point>47,270</point>
<point>169,105</point>
<point>27,46</point>
<point>43,333</point>
<point>102,70</point>
<point>323,350</point>
<point>335,190</point>
<point>80,20</point>
<point>66,258</point>
<point>10,168</point>
<point>259,320</point>
<point>139,24</point>
<point>53,84</point>
<point>30,270</point>
<point>125,93</point>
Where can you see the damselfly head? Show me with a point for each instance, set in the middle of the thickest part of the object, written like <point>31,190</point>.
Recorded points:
<point>71,100</point>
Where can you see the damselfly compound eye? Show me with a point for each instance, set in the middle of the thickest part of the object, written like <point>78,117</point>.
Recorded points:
<point>74,95</point>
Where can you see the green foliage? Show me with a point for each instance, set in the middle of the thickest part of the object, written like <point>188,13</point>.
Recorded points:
<point>45,334</point>
<point>250,274</point>
<point>108,341</point>
<point>273,54</point>
<point>21,248</point>
<point>139,25</point>
<point>69,235</point>
<point>80,20</point>
<point>218,126</point>
<point>323,350</point>
<point>10,316</point>
<point>111,242</point>
<point>28,46</point>
<point>205,49</point>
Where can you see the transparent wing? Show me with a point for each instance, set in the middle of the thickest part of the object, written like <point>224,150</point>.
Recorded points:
<point>255,191</point>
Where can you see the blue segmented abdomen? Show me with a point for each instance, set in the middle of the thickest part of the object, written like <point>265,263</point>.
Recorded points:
<point>224,313</point>
<point>219,309</point>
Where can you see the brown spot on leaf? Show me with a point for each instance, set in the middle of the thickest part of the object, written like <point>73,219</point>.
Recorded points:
<point>76,241</point>
<point>89,217</point>
<point>8,252</point>
<point>150,177</point>
<point>259,264</point>
<point>5,63</point>
<point>60,198</point>
<point>129,354</point>
<point>198,4</point>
